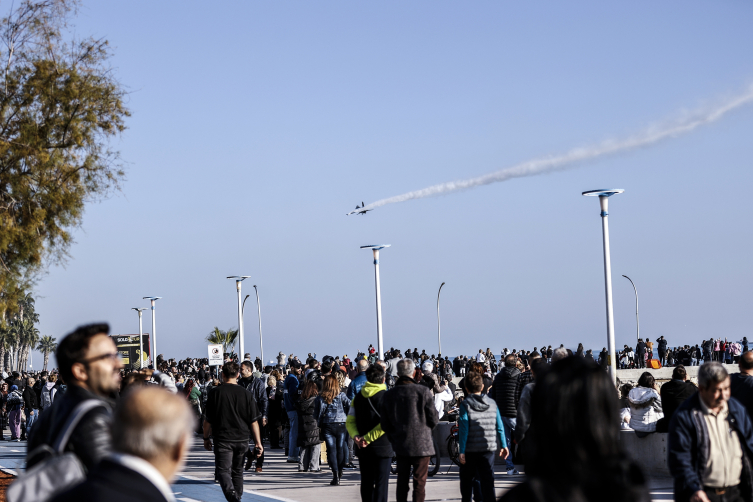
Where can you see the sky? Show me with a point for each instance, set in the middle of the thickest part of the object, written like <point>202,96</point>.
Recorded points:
<point>257,125</point>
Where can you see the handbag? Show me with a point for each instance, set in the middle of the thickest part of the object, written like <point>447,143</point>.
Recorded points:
<point>59,470</point>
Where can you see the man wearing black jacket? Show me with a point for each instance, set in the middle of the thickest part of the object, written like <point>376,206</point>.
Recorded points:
<point>662,344</point>
<point>374,450</point>
<point>741,384</point>
<point>31,406</point>
<point>505,393</point>
<point>673,394</point>
<point>90,365</point>
<point>257,389</point>
<point>640,354</point>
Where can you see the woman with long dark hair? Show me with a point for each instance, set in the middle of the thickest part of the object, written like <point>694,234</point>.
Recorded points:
<point>574,416</point>
<point>308,429</point>
<point>331,411</point>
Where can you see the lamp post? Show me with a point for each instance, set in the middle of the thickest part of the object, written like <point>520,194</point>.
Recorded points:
<point>637,322</point>
<point>238,280</point>
<point>153,300</point>
<point>141,335</point>
<point>439,324</point>
<point>604,203</point>
<point>375,248</point>
<point>261,340</point>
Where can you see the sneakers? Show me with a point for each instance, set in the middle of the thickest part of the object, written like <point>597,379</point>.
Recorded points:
<point>258,469</point>
<point>292,460</point>
<point>512,472</point>
<point>350,467</point>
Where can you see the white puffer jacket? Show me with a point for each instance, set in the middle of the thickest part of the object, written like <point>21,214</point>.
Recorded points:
<point>645,409</point>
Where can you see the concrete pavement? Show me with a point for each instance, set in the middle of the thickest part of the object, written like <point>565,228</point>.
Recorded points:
<point>280,481</point>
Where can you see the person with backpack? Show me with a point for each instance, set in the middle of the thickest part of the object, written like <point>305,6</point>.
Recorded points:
<point>78,422</point>
<point>13,404</point>
<point>374,450</point>
<point>47,394</point>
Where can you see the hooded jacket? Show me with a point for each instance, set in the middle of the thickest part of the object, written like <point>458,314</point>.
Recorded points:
<point>645,409</point>
<point>480,426</point>
<point>364,420</point>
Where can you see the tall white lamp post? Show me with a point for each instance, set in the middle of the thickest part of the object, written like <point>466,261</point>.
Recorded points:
<point>439,324</point>
<point>637,322</point>
<point>153,300</point>
<point>238,280</point>
<point>261,341</point>
<point>141,336</point>
<point>604,202</point>
<point>375,248</point>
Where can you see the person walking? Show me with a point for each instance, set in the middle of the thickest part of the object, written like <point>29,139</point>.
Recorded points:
<point>290,395</point>
<point>373,447</point>
<point>408,417</point>
<point>90,364</point>
<point>31,404</point>
<point>140,470</point>
<point>505,393</point>
<point>257,388</point>
<point>13,404</point>
<point>331,412</point>
<point>231,417</point>
<point>710,443</point>
<point>308,429</point>
<point>481,435</point>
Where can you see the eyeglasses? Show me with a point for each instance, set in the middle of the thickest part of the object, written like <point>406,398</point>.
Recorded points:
<point>113,356</point>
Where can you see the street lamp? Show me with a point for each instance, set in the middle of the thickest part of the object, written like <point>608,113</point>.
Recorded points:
<point>153,299</point>
<point>439,325</point>
<point>261,341</point>
<point>375,248</point>
<point>637,322</point>
<point>238,280</point>
<point>604,202</point>
<point>141,335</point>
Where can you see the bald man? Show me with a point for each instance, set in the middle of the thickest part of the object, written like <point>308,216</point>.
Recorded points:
<point>741,384</point>
<point>151,433</point>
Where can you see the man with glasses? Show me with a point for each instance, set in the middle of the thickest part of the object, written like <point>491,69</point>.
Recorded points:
<point>90,366</point>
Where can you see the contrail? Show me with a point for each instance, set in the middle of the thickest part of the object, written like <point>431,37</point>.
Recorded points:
<point>566,160</point>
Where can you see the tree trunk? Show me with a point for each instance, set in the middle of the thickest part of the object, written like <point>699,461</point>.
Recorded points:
<point>46,357</point>
<point>2,358</point>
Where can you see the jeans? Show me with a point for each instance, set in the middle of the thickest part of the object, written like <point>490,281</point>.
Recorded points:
<point>375,476</point>
<point>420,472</point>
<point>337,446</point>
<point>31,417</point>
<point>509,424</point>
<point>479,465</point>
<point>292,448</point>
<point>732,494</point>
<point>228,457</point>
<point>309,458</point>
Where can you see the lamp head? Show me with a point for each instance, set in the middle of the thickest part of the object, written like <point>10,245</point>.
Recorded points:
<point>152,298</point>
<point>603,192</point>
<point>238,278</point>
<point>376,247</point>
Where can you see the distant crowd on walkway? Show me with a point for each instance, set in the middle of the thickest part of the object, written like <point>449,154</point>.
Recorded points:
<point>120,434</point>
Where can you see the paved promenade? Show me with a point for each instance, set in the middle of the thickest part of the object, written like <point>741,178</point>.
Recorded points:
<point>280,481</point>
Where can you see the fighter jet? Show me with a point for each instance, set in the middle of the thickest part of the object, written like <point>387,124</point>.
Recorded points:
<point>359,209</point>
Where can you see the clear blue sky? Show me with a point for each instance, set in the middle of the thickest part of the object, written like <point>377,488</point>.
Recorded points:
<point>257,125</point>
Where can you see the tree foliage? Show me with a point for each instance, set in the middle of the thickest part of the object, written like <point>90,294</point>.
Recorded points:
<point>60,106</point>
<point>226,338</point>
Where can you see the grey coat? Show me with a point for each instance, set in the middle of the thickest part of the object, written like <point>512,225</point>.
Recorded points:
<point>408,417</point>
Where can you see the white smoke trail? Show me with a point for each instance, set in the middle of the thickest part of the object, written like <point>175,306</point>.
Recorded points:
<point>552,163</point>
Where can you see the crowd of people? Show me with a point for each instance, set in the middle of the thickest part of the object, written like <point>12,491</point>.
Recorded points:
<point>133,428</point>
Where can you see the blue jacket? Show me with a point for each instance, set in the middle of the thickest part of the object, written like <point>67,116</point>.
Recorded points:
<point>290,392</point>
<point>688,447</point>
<point>336,412</point>
<point>356,385</point>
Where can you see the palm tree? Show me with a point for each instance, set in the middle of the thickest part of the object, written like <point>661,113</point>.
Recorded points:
<point>45,346</point>
<point>226,338</point>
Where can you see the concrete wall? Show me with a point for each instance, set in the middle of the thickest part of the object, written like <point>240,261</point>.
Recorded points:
<point>649,452</point>
<point>664,374</point>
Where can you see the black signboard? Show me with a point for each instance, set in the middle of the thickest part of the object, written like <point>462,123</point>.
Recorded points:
<point>129,347</point>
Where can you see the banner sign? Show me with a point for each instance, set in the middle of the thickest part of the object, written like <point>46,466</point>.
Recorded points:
<point>215,354</point>
<point>129,347</point>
